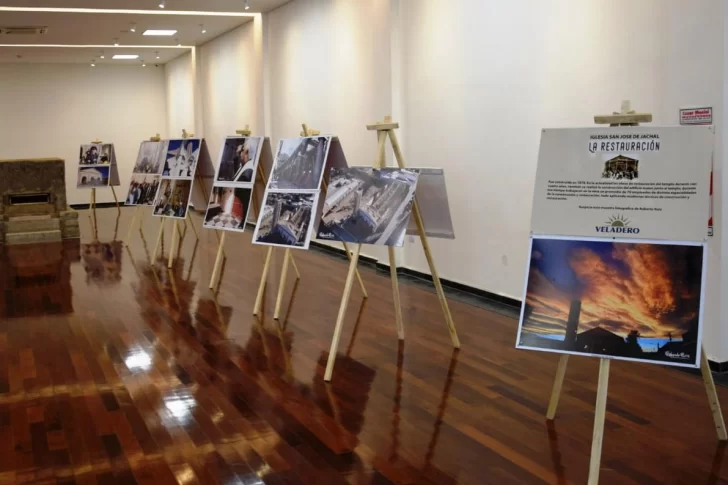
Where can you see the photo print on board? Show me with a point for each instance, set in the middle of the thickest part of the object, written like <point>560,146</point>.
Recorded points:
<point>173,198</point>
<point>239,159</point>
<point>181,158</point>
<point>142,189</point>
<point>299,163</point>
<point>228,208</point>
<point>368,206</point>
<point>95,154</point>
<point>286,219</point>
<point>626,300</point>
<point>149,159</point>
<point>93,177</point>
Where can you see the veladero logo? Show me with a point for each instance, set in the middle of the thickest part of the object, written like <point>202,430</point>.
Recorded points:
<point>618,224</point>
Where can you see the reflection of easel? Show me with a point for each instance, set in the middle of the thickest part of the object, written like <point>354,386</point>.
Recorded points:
<point>221,247</point>
<point>306,131</point>
<point>94,222</point>
<point>138,209</point>
<point>627,117</point>
<point>173,249</point>
<point>386,129</point>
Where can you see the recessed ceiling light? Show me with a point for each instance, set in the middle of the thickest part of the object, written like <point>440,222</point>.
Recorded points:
<point>167,33</point>
<point>125,56</point>
<point>133,28</point>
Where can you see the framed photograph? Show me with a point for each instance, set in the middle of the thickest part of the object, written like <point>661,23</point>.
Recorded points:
<point>286,219</point>
<point>150,157</point>
<point>93,177</point>
<point>637,300</point>
<point>173,198</point>
<point>96,154</point>
<point>368,206</point>
<point>228,208</point>
<point>299,163</point>
<point>239,160</point>
<point>142,189</point>
<point>180,160</point>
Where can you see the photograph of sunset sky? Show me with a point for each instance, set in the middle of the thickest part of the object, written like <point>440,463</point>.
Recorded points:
<point>619,299</point>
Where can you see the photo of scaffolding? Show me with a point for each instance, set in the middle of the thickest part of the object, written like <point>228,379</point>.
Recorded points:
<point>368,206</point>
<point>286,219</point>
<point>300,163</point>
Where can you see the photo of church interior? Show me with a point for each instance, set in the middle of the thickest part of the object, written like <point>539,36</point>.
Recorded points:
<point>225,312</point>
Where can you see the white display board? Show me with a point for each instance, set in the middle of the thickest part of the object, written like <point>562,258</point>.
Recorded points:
<point>628,182</point>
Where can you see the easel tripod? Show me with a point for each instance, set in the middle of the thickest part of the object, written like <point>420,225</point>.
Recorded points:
<point>386,129</point>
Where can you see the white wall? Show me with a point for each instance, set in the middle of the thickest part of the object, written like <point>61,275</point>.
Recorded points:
<point>329,66</point>
<point>179,79</point>
<point>229,86</point>
<point>57,107</point>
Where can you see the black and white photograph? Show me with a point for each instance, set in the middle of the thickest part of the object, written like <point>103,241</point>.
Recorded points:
<point>621,167</point>
<point>368,206</point>
<point>228,208</point>
<point>181,158</point>
<point>150,157</point>
<point>92,177</point>
<point>286,219</point>
<point>142,189</point>
<point>630,300</point>
<point>239,159</point>
<point>96,154</point>
<point>299,163</point>
<point>173,198</point>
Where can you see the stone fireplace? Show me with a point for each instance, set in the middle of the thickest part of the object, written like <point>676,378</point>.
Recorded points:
<point>33,206</point>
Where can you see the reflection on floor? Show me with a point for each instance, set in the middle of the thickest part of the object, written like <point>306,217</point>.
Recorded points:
<point>115,370</point>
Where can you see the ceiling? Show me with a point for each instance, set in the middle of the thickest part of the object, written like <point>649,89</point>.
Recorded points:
<point>80,37</point>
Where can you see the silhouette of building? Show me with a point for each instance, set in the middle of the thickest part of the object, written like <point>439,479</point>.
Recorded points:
<point>573,322</point>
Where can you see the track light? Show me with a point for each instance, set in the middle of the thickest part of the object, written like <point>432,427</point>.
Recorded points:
<point>247,5</point>
<point>133,28</point>
<point>116,41</point>
<point>93,63</point>
<point>161,3</point>
<point>102,56</point>
<point>157,54</point>
<point>179,44</point>
<point>203,30</point>
<point>144,64</point>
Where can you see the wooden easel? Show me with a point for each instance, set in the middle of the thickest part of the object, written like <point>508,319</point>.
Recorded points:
<point>221,239</point>
<point>626,117</point>
<point>386,129</point>
<point>92,205</point>
<point>175,228</point>
<point>306,131</point>
<point>138,209</point>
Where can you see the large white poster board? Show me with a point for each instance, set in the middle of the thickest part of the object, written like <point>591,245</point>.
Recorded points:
<point>618,257</point>
<point>628,182</point>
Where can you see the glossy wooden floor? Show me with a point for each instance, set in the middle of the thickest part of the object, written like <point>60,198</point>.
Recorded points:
<point>141,375</point>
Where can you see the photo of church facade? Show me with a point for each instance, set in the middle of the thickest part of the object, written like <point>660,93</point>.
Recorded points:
<point>636,301</point>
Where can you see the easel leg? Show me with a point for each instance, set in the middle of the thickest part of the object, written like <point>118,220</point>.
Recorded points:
<point>295,267</point>
<point>192,224</point>
<point>599,416</point>
<point>159,242</point>
<point>118,208</point>
<point>282,285</point>
<point>712,397</point>
<point>395,293</point>
<point>342,313</point>
<point>218,262</point>
<point>263,279</point>
<point>358,275</point>
<point>172,246</point>
<point>558,384</point>
<point>127,239</point>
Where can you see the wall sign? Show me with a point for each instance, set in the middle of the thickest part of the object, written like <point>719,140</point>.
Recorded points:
<point>696,116</point>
